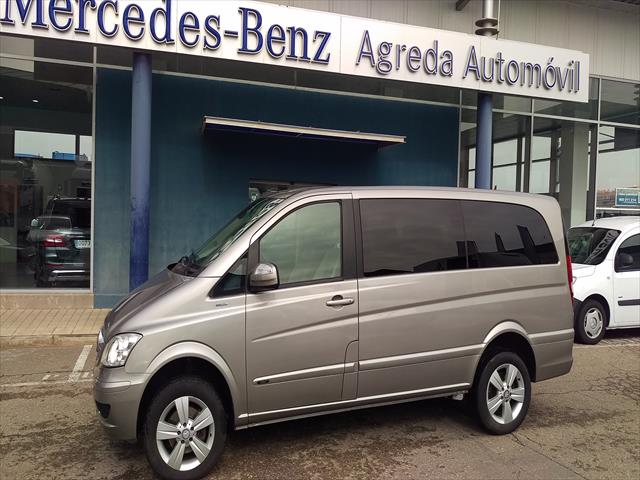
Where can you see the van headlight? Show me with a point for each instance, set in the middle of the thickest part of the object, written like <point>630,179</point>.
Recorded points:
<point>117,351</point>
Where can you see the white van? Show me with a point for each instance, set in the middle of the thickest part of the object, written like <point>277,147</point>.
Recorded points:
<point>605,256</point>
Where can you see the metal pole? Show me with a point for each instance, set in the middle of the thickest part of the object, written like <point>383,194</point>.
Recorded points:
<point>140,167</point>
<point>484,126</point>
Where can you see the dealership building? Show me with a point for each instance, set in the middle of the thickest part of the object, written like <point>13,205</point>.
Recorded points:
<point>166,117</point>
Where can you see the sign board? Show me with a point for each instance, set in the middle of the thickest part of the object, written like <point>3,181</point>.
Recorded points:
<point>279,35</point>
<point>628,197</point>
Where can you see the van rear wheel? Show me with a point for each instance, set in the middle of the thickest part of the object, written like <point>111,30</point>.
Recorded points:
<point>502,393</point>
<point>185,429</point>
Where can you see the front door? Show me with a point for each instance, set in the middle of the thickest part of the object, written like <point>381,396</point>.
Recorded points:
<point>626,283</point>
<point>298,334</point>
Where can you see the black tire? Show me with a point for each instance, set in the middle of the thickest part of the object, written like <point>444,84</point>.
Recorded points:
<point>190,386</point>
<point>587,310</point>
<point>489,364</point>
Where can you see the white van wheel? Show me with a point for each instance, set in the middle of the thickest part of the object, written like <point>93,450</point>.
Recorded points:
<point>591,322</point>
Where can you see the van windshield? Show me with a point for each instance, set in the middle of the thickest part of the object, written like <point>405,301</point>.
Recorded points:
<point>590,245</point>
<point>194,263</point>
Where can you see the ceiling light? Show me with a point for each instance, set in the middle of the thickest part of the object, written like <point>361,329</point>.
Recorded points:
<point>35,100</point>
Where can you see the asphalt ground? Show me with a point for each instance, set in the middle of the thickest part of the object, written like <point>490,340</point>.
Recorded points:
<point>583,425</point>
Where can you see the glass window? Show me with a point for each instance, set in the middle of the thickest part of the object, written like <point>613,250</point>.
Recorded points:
<point>562,160</point>
<point>511,135</point>
<point>233,283</point>
<point>45,173</point>
<point>620,102</point>
<point>46,48</point>
<point>306,244</point>
<point>618,171</point>
<point>411,236</point>
<point>513,103</point>
<point>505,235</point>
<point>631,246</point>
<point>590,245</point>
<point>571,109</point>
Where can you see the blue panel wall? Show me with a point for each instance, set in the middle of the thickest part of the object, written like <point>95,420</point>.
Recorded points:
<point>198,182</point>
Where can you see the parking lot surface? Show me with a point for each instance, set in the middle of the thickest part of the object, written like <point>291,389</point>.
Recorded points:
<point>583,425</point>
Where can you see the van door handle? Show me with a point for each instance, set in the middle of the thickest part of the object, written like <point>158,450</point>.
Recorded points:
<point>339,301</point>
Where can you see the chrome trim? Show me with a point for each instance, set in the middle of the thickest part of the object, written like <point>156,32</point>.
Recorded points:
<point>420,357</point>
<point>361,400</point>
<point>549,337</point>
<point>338,368</point>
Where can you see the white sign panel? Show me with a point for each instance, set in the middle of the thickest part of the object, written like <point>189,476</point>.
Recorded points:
<point>279,35</point>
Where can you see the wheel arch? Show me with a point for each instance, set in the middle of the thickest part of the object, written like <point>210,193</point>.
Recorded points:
<point>601,299</point>
<point>191,358</point>
<point>508,336</point>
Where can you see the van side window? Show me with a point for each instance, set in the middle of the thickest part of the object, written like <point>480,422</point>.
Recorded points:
<point>233,282</point>
<point>306,245</point>
<point>631,246</point>
<point>411,236</point>
<point>506,235</point>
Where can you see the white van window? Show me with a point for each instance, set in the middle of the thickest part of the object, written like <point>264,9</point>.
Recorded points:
<point>306,244</point>
<point>631,246</point>
<point>590,245</point>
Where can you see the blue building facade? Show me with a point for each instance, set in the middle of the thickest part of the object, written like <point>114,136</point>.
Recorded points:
<point>199,180</point>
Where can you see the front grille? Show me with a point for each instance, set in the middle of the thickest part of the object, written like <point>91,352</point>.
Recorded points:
<point>103,408</point>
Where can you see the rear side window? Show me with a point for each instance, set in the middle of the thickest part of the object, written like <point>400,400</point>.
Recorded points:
<point>506,235</point>
<point>411,236</point>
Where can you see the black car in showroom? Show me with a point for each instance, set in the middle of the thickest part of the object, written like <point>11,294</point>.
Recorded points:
<point>62,241</point>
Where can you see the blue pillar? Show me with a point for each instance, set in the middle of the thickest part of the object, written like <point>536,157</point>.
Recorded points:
<point>484,140</point>
<point>140,162</point>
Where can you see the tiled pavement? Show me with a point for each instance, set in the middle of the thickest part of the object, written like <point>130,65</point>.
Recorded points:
<point>49,325</point>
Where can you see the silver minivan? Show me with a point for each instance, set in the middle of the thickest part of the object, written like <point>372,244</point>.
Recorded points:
<point>330,299</point>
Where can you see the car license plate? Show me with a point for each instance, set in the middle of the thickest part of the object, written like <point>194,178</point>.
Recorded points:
<point>82,243</point>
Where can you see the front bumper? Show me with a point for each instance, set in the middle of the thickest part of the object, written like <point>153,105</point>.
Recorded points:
<point>118,395</point>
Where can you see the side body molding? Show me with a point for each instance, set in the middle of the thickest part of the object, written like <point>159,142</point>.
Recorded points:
<point>199,350</point>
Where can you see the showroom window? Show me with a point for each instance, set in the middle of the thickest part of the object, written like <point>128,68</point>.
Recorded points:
<point>46,162</point>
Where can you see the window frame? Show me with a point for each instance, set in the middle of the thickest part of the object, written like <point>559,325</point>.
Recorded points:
<point>347,242</point>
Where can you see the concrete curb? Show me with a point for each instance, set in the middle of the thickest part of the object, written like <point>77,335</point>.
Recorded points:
<point>43,340</point>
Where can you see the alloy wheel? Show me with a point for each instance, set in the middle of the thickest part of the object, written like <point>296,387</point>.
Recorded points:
<point>505,393</point>
<point>185,433</point>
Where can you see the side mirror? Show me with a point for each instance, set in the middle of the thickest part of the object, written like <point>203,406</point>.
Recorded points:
<point>264,277</point>
<point>623,261</point>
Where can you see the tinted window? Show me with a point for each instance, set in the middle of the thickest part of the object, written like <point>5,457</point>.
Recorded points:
<point>411,236</point>
<point>506,235</point>
<point>234,280</point>
<point>306,244</point>
<point>631,246</point>
<point>77,211</point>
<point>590,245</point>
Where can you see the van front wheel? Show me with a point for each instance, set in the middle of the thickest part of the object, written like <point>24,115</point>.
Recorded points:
<point>590,322</point>
<point>502,393</point>
<point>185,429</point>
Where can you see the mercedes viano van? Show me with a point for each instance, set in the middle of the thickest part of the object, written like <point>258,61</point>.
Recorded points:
<point>323,300</point>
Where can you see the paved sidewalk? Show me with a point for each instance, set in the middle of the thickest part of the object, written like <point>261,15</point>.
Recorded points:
<point>50,325</point>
